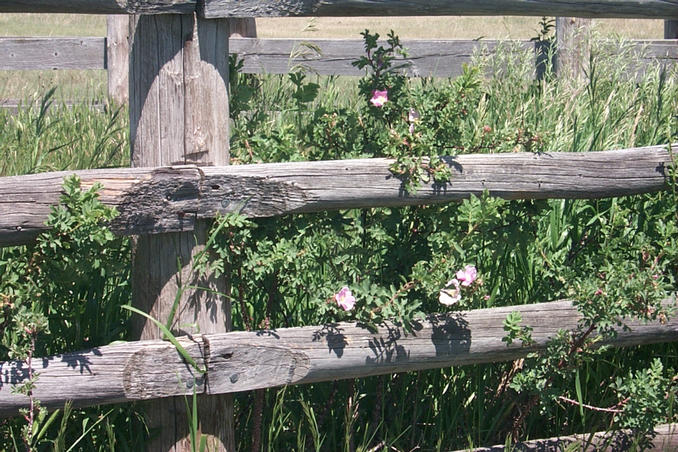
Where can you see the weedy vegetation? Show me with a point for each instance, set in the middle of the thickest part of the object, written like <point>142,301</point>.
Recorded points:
<point>617,258</point>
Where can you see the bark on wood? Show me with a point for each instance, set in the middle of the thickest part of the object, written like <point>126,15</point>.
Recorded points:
<point>99,6</point>
<point>242,361</point>
<point>117,57</point>
<point>572,39</point>
<point>52,53</point>
<point>179,113</point>
<point>665,439</point>
<point>657,9</point>
<point>155,200</point>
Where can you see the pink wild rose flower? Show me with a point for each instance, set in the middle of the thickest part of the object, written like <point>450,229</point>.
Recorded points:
<point>452,295</point>
<point>345,298</point>
<point>379,98</point>
<point>467,275</point>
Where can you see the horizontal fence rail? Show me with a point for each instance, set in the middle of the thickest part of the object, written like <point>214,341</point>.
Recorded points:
<point>99,6</point>
<point>154,200</point>
<point>242,361</point>
<point>52,53</point>
<point>437,58</point>
<point>665,439</point>
<point>658,9</point>
<point>426,58</point>
<point>650,9</point>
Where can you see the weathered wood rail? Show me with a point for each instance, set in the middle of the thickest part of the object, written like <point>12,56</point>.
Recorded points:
<point>100,6</point>
<point>171,199</point>
<point>665,439</point>
<point>436,58</point>
<point>241,361</point>
<point>658,9</point>
<point>52,53</point>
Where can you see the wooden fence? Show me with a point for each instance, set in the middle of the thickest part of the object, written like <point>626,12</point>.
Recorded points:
<point>434,58</point>
<point>179,113</point>
<point>242,361</point>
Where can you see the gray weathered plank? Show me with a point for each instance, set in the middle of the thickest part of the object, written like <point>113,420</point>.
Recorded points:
<point>670,29</point>
<point>99,6</point>
<point>14,105</point>
<point>438,58</point>
<point>651,9</point>
<point>572,49</point>
<point>154,200</point>
<point>117,57</point>
<point>665,439</point>
<point>52,53</point>
<point>241,361</point>
<point>657,9</point>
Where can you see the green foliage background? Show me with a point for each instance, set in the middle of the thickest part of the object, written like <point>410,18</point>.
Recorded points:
<point>614,256</point>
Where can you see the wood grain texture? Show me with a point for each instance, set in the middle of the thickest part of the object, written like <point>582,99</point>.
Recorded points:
<point>437,58</point>
<point>117,57</point>
<point>173,199</point>
<point>427,58</point>
<point>99,6</point>
<point>179,113</point>
<point>657,9</point>
<point>52,53</point>
<point>665,439</point>
<point>651,9</point>
<point>572,51</point>
<point>242,361</point>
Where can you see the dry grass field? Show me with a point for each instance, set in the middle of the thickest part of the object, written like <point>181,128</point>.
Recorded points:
<point>92,84</point>
<point>448,27</point>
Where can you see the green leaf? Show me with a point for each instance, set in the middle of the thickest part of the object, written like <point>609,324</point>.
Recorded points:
<point>170,337</point>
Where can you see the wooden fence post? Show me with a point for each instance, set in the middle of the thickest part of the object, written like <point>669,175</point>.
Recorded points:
<point>179,114</point>
<point>243,28</point>
<point>117,57</point>
<point>117,51</point>
<point>671,29</point>
<point>572,51</point>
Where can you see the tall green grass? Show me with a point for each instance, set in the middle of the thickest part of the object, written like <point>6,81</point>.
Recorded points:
<point>48,135</point>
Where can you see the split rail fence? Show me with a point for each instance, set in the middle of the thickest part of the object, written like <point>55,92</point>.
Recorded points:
<point>427,58</point>
<point>179,113</point>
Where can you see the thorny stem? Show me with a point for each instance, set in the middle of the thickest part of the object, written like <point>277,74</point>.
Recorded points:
<point>401,291</point>
<point>328,405</point>
<point>574,348</point>
<point>260,394</point>
<point>30,416</point>
<point>246,318</point>
<point>258,414</point>
<point>612,409</point>
<point>378,399</point>
<point>351,414</point>
<point>532,402</point>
